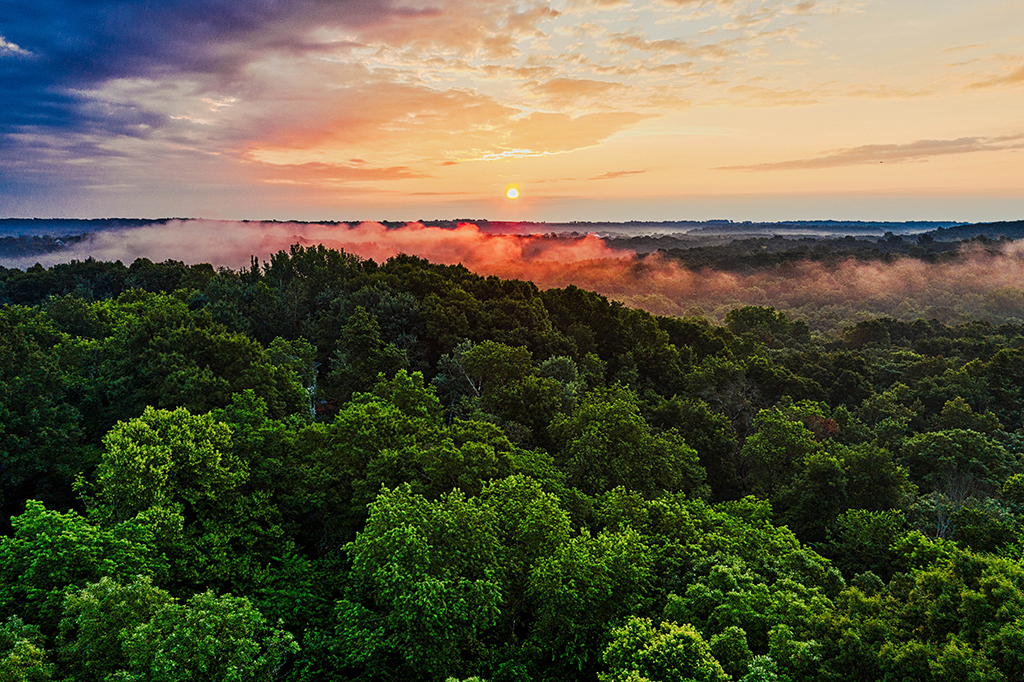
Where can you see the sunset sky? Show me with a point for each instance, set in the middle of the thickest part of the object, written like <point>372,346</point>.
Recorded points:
<point>594,109</point>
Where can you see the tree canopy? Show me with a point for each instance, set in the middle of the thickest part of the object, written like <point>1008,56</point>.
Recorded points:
<point>322,467</point>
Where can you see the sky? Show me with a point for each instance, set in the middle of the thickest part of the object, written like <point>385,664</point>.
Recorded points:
<point>592,109</point>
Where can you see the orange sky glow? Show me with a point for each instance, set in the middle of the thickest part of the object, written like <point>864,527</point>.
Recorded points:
<point>592,109</point>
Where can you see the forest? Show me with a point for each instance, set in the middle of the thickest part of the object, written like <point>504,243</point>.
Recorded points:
<point>322,467</point>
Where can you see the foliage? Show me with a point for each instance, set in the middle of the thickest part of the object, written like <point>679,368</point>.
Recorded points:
<point>139,633</point>
<point>428,474</point>
<point>605,442</point>
<point>22,653</point>
<point>667,653</point>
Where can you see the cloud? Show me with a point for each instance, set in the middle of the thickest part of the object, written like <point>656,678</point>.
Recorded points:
<point>562,92</point>
<point>79,47</point>
<point>8,49</point>
<point>611,175</point>
<point>892,153</point>
<point>115,92</point>
<point>634,40</point>
<point>1014,77</point>
<point>762,96</point>
<point>805,7</point>
<point>319,173</point>
<point>419,123</point>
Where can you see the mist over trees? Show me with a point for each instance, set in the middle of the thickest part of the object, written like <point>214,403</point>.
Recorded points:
<point>324,467</point>
<point>829,274</point>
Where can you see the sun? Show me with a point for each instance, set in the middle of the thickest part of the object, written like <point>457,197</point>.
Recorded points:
<point>512,191</point>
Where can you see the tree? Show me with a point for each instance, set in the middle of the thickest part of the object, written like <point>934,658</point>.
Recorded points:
<point>530,525</point>
<point>707,432</point>
<point>426,588</point>
<point>767,326</point>
<point>99,618</point>
<point>667,653</point>
<point>181,469</point>
<point>23,653</point>
<point>960,463</point>
<point>729,647</point>
<point>138,633</point>
<point>860,541</point>
<point>51,552</point>
<point>775,451</point>
<point>361,356</point>
<point>164,458</point>
<point>874,480</point>
<point>587,584</point>
<point>211,637</point>
<point>957,414</point>
<point>605,443</point>
<point>408,393</point>
<point>159,352</point>
<point>816,496</point>
<point>491,365</point>
<point>37,414</point>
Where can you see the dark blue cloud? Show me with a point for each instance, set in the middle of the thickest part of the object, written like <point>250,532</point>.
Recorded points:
<point>68,47</point>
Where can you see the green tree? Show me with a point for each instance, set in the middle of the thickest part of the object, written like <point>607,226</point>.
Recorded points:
<point>605,443</point>
<point>22,653</point>
<point>667,653</point>
<point>874,480</point>
<point>767,326</point>
<point>530,525</point>
<point>816,496</point>
<point>860,541</point>
<point>37,414</point>
<point>709,433</point>
<point>98,619</point>
<point>729,647</point>
<point>182,469</point>
<point>427,587</point>
<point>587,584</point>
<point>957,462</point>
<point>491,365</point>
<point>50,553</point>
<point>209,637</point>
<point>957,414</point>
<point>158,352</point>
<point>361,356</point>
<point>775,451</point>
<point>166,457</point>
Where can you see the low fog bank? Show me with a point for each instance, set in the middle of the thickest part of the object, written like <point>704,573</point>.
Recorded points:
<point>982,282</point>
<point>233,244</point>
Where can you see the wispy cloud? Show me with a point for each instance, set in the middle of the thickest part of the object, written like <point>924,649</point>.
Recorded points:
<point>1013,77</point>
<point>8,48</point>
<point>611,175</point>
<point>562,92</point>
<point>891,153</point>
<point>318,173</point>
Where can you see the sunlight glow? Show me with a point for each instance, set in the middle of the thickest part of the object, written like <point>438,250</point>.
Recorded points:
<point>512,192</point>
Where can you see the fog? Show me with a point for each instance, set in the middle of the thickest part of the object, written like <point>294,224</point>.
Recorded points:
<point>985,283</point>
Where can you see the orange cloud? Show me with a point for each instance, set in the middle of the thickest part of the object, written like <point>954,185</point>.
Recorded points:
<point>562,92</point>
<point>417,125</point>
<point>893,153</point>
<point>1015,77</point>
<point>611,175</point>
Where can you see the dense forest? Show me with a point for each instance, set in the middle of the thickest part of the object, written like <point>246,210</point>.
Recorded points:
<point>326,468</point>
